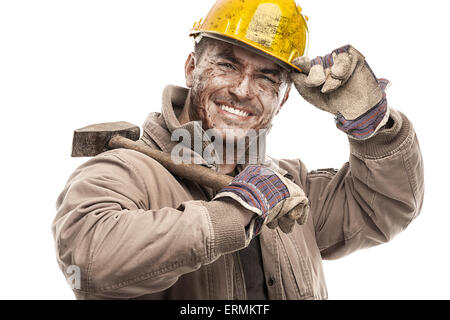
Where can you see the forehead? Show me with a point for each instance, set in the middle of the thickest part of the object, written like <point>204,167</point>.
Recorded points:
<point>241,55</point>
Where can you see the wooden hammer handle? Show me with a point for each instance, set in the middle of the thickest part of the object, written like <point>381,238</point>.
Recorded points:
<point>192,172</point>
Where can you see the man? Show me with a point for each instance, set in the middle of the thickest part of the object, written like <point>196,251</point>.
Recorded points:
<point>135,231</point>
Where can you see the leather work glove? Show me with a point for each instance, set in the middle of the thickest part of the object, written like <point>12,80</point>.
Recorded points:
<point>342,83</point>
<point>276,200</point>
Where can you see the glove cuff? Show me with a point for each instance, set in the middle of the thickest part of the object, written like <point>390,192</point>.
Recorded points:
<point>387,141</point>
<point>367,125</point>
<point>259,190</point>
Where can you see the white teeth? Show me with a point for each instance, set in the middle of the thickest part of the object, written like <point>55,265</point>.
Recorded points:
<point>234,111</point>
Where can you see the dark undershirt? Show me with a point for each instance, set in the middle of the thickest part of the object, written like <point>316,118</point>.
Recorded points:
<point>252,265</point>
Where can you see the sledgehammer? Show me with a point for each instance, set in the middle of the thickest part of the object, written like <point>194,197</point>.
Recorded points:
<point>98,138</point>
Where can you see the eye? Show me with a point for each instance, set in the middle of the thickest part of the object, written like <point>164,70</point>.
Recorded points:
<point>226,65</point>
<point>268,79</point>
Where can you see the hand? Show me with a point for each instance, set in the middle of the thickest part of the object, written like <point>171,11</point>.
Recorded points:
<point>341,83</point>
<point>276,200</point>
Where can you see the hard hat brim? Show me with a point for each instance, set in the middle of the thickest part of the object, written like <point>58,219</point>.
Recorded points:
<point>290,67</point>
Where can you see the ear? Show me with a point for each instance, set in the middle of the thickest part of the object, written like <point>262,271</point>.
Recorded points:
<point>285,98</point>
<point>189,68</point>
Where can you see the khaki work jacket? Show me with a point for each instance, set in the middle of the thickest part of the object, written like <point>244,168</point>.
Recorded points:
<point>135,231</point>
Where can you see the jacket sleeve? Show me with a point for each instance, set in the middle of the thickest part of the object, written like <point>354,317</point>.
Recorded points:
<point>374,196</point>
<point>104,227</point>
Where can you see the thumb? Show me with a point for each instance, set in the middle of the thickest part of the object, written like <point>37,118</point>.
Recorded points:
<point>304,63</point>
<point>312,95</point>
<point>299,79</point>
<point>303,213</point>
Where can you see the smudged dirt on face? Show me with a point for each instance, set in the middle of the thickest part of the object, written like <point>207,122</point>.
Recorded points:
<point>233,88</point>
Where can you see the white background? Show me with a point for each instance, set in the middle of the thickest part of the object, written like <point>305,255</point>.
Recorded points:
<point>67,64</point>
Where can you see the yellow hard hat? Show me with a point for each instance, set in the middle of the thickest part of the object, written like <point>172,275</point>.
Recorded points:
<point>275,29</point>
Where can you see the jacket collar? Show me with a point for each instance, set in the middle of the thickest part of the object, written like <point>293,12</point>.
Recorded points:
<point>159,128</point>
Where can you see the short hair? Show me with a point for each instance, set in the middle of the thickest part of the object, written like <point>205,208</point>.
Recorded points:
<point>200,46</point>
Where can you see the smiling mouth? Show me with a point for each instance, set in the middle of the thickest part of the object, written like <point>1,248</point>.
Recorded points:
<point>233,110</point>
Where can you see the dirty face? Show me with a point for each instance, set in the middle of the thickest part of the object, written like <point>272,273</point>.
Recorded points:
<point>233,88</point>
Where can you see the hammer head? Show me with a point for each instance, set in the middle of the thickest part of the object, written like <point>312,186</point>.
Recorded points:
<point>94,139</point>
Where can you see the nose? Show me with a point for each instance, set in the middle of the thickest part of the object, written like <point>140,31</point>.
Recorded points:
<point>243,90</point>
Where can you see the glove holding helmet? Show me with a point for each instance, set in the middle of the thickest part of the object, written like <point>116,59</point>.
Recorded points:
<point>342,83</point>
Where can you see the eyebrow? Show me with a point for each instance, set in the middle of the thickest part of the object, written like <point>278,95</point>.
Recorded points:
<point>228,54</point>
<point>232,58</point>
<point>275,72</point>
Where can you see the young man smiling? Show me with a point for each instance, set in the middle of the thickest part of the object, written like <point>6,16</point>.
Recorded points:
<point>138,232</point>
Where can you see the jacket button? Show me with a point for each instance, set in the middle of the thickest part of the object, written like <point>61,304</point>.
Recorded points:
<point>271,282</point>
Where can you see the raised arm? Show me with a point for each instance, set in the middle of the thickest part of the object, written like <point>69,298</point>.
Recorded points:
<point>380,191</point>
<point>373,197</point>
